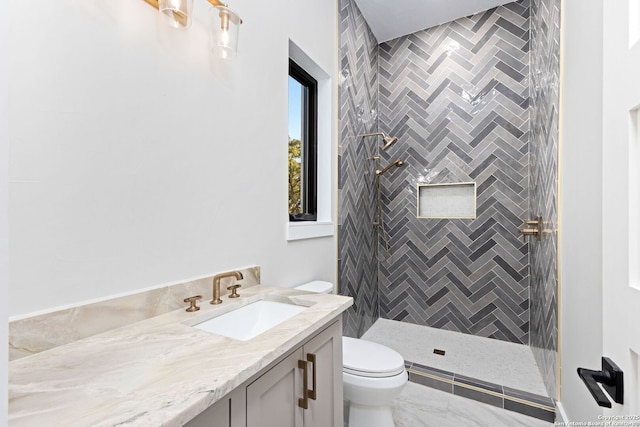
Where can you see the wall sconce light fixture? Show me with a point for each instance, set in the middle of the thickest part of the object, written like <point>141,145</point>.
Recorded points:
<point>225,23</point>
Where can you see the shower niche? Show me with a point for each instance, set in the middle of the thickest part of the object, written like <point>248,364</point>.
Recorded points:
<point>448,200</point>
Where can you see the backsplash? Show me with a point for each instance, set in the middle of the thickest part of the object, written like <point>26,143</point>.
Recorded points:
<point>42,332</point>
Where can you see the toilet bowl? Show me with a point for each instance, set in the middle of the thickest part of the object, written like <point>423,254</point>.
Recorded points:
<point>372,374</point>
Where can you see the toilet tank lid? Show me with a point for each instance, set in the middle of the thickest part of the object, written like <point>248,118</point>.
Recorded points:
<point>317,286</point>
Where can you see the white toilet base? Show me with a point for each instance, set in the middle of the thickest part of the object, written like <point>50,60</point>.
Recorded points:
<point>370,416</point>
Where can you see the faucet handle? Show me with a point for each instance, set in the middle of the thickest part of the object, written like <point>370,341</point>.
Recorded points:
<point>234,291</point>
<point>194,303</point>
<point>533,227</point>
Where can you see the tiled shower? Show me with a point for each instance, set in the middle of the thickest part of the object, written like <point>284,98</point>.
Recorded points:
<point>358,97</point>
<point>474,100</point>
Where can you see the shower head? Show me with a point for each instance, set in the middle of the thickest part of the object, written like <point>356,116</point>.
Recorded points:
<point>388,140</point>
<point>396,163</point>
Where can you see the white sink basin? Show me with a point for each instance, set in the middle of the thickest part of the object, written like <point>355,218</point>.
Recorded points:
<point>250,320</point>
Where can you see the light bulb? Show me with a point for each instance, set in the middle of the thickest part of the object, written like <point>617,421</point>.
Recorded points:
<point>224,38</point>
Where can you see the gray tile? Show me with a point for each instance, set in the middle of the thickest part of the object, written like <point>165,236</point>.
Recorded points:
<point>431,382</point>
<point>445,90</point>
<point>532,411</point>
<point>531,397</point>
<point>358,104</point>
<point>476,124</point>
<point>432,371</point>
<point>497,388</point>
<point>518,31</point>
<point>545,35</point>
<point>478,396</point>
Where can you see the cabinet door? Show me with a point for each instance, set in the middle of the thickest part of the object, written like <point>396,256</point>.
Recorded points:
<point>227,412</point>
<point>272,399</point>
<point>215,416</point>
<point>327,408</point>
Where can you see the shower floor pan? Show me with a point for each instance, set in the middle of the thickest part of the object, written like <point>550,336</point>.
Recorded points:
<point>494,372</point>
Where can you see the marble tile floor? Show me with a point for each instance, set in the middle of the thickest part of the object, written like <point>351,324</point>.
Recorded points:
<point>420,406</point>
<point>495,361</point>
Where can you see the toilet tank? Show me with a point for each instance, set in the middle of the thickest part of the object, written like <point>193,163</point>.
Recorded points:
<point>317,286</point>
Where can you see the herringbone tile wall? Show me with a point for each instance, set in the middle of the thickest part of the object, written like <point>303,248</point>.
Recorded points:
<point>457,98</point>
<point>545,75</point>
<point>358,97</point>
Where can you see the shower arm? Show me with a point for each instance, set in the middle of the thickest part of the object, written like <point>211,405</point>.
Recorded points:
<point>389,166</point>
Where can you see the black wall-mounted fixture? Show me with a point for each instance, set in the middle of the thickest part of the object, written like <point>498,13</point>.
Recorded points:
<point>612,381</point>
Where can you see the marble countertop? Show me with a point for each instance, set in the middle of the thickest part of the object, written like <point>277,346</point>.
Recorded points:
<point>156,372</point>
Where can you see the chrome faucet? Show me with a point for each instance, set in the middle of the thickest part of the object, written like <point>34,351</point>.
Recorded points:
<point>216,284</point>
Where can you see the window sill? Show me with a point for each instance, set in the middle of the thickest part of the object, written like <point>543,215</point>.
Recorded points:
<point>309,230</point>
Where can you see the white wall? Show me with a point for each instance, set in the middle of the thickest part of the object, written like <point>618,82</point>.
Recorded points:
<point>580,204</point>
<point>4,250</point>
<point>137,160</point>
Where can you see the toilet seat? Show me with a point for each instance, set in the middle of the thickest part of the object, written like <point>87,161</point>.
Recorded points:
<point>368,359</point>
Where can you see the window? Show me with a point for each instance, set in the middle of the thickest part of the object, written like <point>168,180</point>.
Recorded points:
<point>312,121</point>
<point>303,144</point>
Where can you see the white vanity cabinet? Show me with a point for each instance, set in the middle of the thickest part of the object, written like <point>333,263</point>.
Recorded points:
<point>272,399</point>
<point>327,408</point>
<point>226,412</point>
<point>277,397</point>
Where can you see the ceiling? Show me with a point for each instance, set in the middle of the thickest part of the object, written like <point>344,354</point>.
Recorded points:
<point>390,19</point>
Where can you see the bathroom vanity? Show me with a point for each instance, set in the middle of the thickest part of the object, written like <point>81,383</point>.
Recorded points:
<point>163,371</point>
<point>279,396</point>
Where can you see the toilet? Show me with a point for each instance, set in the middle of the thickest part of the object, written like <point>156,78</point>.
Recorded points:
<point>373,375</point>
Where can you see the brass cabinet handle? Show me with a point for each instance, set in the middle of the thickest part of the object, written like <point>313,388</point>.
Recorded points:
<point>304,401</point>
<point>311,358</point>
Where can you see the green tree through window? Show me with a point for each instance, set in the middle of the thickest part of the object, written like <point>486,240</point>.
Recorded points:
<point>295,175</point>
